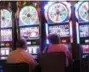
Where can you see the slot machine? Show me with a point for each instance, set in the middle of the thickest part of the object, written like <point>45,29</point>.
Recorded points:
<point>29,28</point>
<point>58,15</point>
<point>6,33</point>
<point>82,27</point>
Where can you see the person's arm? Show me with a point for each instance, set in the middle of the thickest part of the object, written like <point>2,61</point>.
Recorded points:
<point>45,49</point>
<point>68,54</point>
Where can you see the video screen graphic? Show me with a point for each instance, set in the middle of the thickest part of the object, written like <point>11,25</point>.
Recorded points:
<point>61,30</point>
<point>29,33</point>
<point>84,30</point>
<point>33,49</point>
<point>6,35</point>
<point>4,51</point>
<point>85,48</point>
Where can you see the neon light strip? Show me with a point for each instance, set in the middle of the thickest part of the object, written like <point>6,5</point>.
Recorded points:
<point>46,28</point>
<point>71,32</point>
<point>77,29</point>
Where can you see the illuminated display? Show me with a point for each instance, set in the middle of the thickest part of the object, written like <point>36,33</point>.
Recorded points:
<point>85,48</point>
<point>4,51</point>
<point>6,35</point>
<point>30,33</point>
<point>58,12</point>
<point>84,30</point>
<point>33,49</point>
<point>28,16</point>
<point>61,30</point>
<point>84,11</point>
<point>6,18</point>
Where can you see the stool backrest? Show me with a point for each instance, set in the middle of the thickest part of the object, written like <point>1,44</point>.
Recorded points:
<point>16,67</point>
<point>53,62</point>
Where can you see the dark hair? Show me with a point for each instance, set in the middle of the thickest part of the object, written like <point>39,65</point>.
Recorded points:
<point>53,38</point>
<point>21,43</point>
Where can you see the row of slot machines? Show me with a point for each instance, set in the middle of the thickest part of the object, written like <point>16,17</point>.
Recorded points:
<point>6,32</point>
<point>26,25</point>
<point>82,27</point>
<point>58,21</point>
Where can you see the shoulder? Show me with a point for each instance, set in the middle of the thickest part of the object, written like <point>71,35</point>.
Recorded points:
<point>63,46</point>
<point>26,54</point>
<point>12,52</point>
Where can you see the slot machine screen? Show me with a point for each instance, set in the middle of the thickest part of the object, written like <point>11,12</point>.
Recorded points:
<point>61,30</point>
<point>33,49</point>
<point>29,33</point>
<point>84,30</point>
<point>6,35</point>
<point>4,51</point>
<point>85,49</point>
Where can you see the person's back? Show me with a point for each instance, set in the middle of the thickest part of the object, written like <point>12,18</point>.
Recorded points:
<point>55,46</point>
<point>20,55</point>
